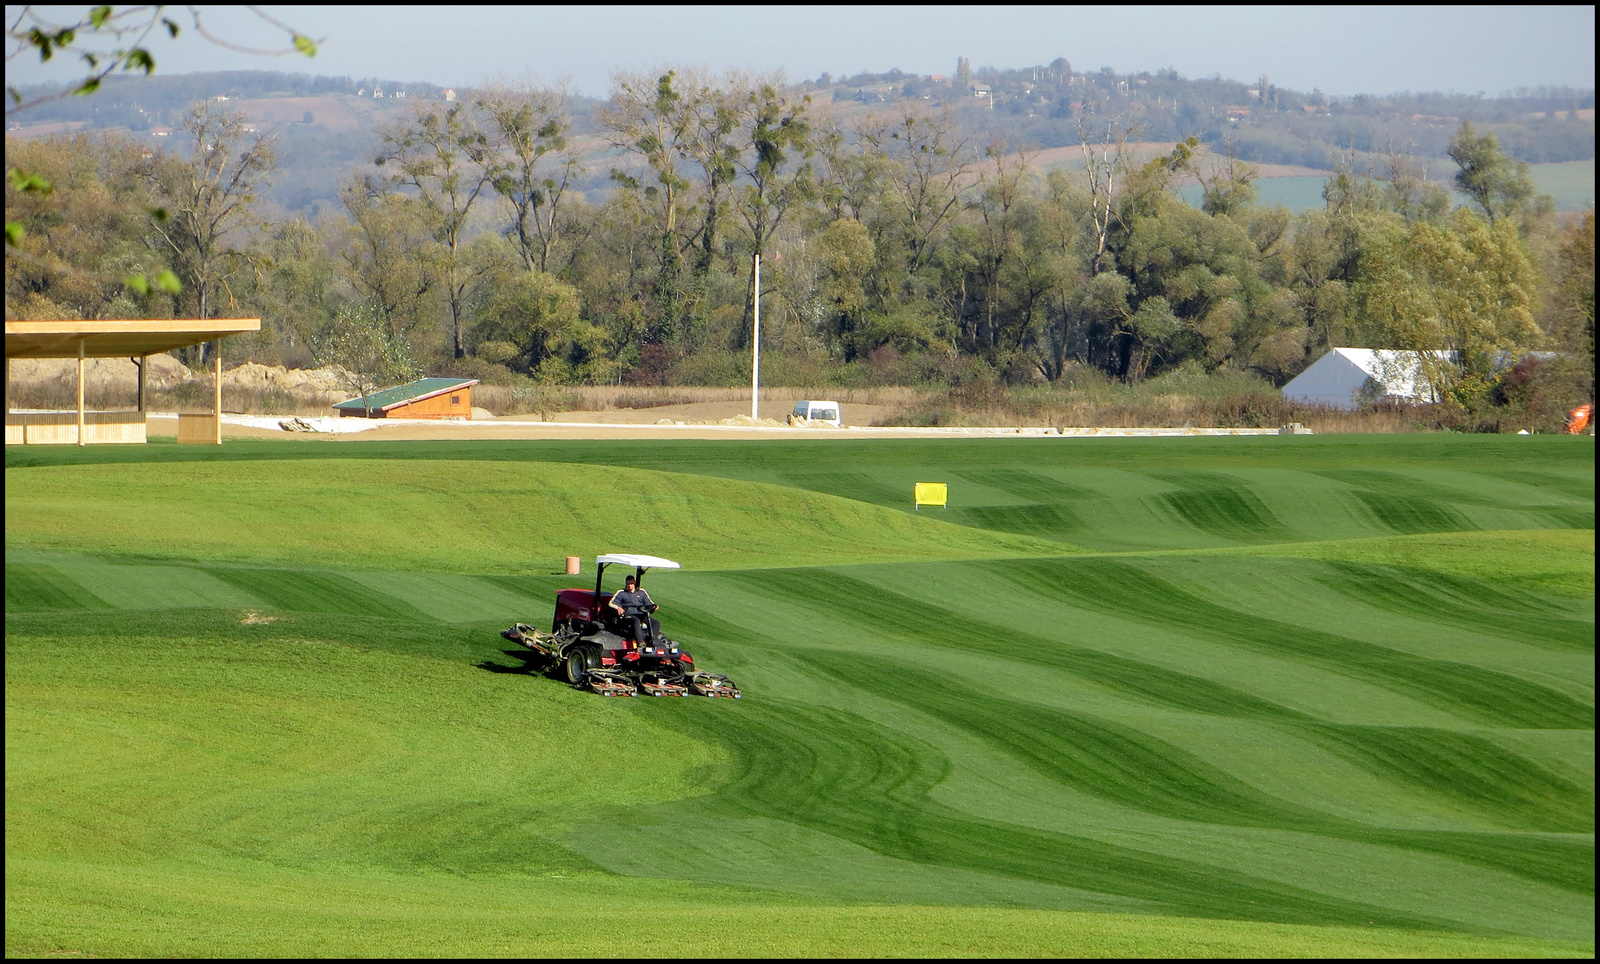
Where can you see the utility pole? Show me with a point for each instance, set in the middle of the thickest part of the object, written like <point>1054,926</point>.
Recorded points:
<point>755,347</point>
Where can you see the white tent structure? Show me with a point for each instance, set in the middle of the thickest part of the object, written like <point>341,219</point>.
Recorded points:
<point>1345,376</point>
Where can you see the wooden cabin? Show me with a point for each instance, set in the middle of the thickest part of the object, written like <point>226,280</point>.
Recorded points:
<point>423,398</point>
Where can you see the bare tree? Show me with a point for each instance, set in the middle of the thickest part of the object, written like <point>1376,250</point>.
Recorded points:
<point>1105,164</point>
<point>537,164</point>
<point>208,198</point>
<point>932,166</point>
<point>446,158</point>
<point>648,118</point>
<point>389,253</point>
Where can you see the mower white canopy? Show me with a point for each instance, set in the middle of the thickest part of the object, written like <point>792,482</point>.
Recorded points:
<point>639,562</point>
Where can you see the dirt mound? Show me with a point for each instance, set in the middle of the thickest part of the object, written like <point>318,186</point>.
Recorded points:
<point>796,421</point>
<point>311,380</point>
<point>160,371</point>
<point>118,377</point>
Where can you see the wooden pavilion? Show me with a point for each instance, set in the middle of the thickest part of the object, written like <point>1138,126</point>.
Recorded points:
<point>134,340</point>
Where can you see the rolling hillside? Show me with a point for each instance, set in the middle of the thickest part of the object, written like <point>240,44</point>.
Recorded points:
<point>1318,696</point>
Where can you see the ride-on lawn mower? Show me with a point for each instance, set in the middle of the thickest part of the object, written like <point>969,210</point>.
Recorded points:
<point>595,649</point>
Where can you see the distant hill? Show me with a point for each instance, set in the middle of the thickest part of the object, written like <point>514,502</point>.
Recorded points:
<point>327,127</point>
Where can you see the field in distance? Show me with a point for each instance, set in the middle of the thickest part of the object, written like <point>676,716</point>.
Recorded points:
<point>1326,696</point>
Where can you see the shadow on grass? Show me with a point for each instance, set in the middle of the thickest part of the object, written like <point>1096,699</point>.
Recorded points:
<point>532,663</point>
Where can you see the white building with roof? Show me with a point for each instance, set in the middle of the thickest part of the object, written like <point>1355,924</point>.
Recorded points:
<point>1345,376</point>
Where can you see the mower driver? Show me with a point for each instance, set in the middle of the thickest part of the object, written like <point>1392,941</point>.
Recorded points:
<point>633,606</point>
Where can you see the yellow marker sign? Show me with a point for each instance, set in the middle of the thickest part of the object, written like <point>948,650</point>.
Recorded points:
<point>931,493</point>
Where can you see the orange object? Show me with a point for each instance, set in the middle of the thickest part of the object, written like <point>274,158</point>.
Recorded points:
<point>1578,419</point>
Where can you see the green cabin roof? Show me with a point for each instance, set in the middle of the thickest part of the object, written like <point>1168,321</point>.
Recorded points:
<point>405,394</point>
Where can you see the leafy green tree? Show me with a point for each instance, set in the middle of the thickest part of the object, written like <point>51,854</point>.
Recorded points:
<point>1105,166</point>
<point>713,145</point>
<point>651,119</point>
<point>1493,180</point>
<point>1408,193</point>
<point>389,254</point>
<point>107,40</point>
<point>359,341</point>
<point>1570,309</point>
<point>298,287</point>
<point>775,171</point>
<point>929,167</point>
<point>844,252</point>
<point>1064,206</point>
<point>533,322</point>
<point>1015,273</point>
<point>83,239</point>
<point>1461,293</point>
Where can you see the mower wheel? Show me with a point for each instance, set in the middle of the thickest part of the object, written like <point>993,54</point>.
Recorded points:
<point>579,662</point>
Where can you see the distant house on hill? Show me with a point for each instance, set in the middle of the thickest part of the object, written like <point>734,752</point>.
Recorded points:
<point>1344,377</point>
<point>423,398</point>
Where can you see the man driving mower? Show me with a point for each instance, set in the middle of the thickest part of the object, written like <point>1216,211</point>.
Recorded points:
<point>633,606</point>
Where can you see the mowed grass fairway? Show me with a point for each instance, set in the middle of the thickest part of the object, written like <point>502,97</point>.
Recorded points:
<point>1291,696</point>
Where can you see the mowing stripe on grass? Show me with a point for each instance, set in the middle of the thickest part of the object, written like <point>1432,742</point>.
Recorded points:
<point>1578,486</point>
<point>1040,521</point>
<point>1127,592</point>
<point>1030,487</point>
<point>1496,783</point>
<point>1405,514</point>
<point>1133,769</point>
<point>1219,505</point>
<point>1432,489</point>
<point>457,597</point>
<point>1228,512</point>
<point>843,775</point>
<point>1568,516</point>
<point>850,485</point>
<point>1543,562</point>
<point>1465,603</point>
<point>34,586</point>
<point>316,592</point>
<point>1566,862</point>
<point>884,612</point>
<point>1091,755</point>
<point>1127,766</point>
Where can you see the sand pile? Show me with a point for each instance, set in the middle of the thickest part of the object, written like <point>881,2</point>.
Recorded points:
<point>163,371</point>
<point>116,373</point>
<point>322,385</point>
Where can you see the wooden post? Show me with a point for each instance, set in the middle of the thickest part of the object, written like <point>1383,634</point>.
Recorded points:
<point>80,390</point>
<point>140,361</point>
<point>218,406</point>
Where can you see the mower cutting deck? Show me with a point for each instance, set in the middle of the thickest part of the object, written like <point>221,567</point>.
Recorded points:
<point>594,650</point>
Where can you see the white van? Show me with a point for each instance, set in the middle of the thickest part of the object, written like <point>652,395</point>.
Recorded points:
<point>818,412</point>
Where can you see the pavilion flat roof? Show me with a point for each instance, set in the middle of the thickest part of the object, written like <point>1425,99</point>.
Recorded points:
<point>116,339</point>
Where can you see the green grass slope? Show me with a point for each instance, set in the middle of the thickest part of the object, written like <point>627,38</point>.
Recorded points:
<point>461,515</point>
<point>1274,713</point>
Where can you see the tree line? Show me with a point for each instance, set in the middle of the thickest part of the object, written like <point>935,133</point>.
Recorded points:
<point>895,248</point>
